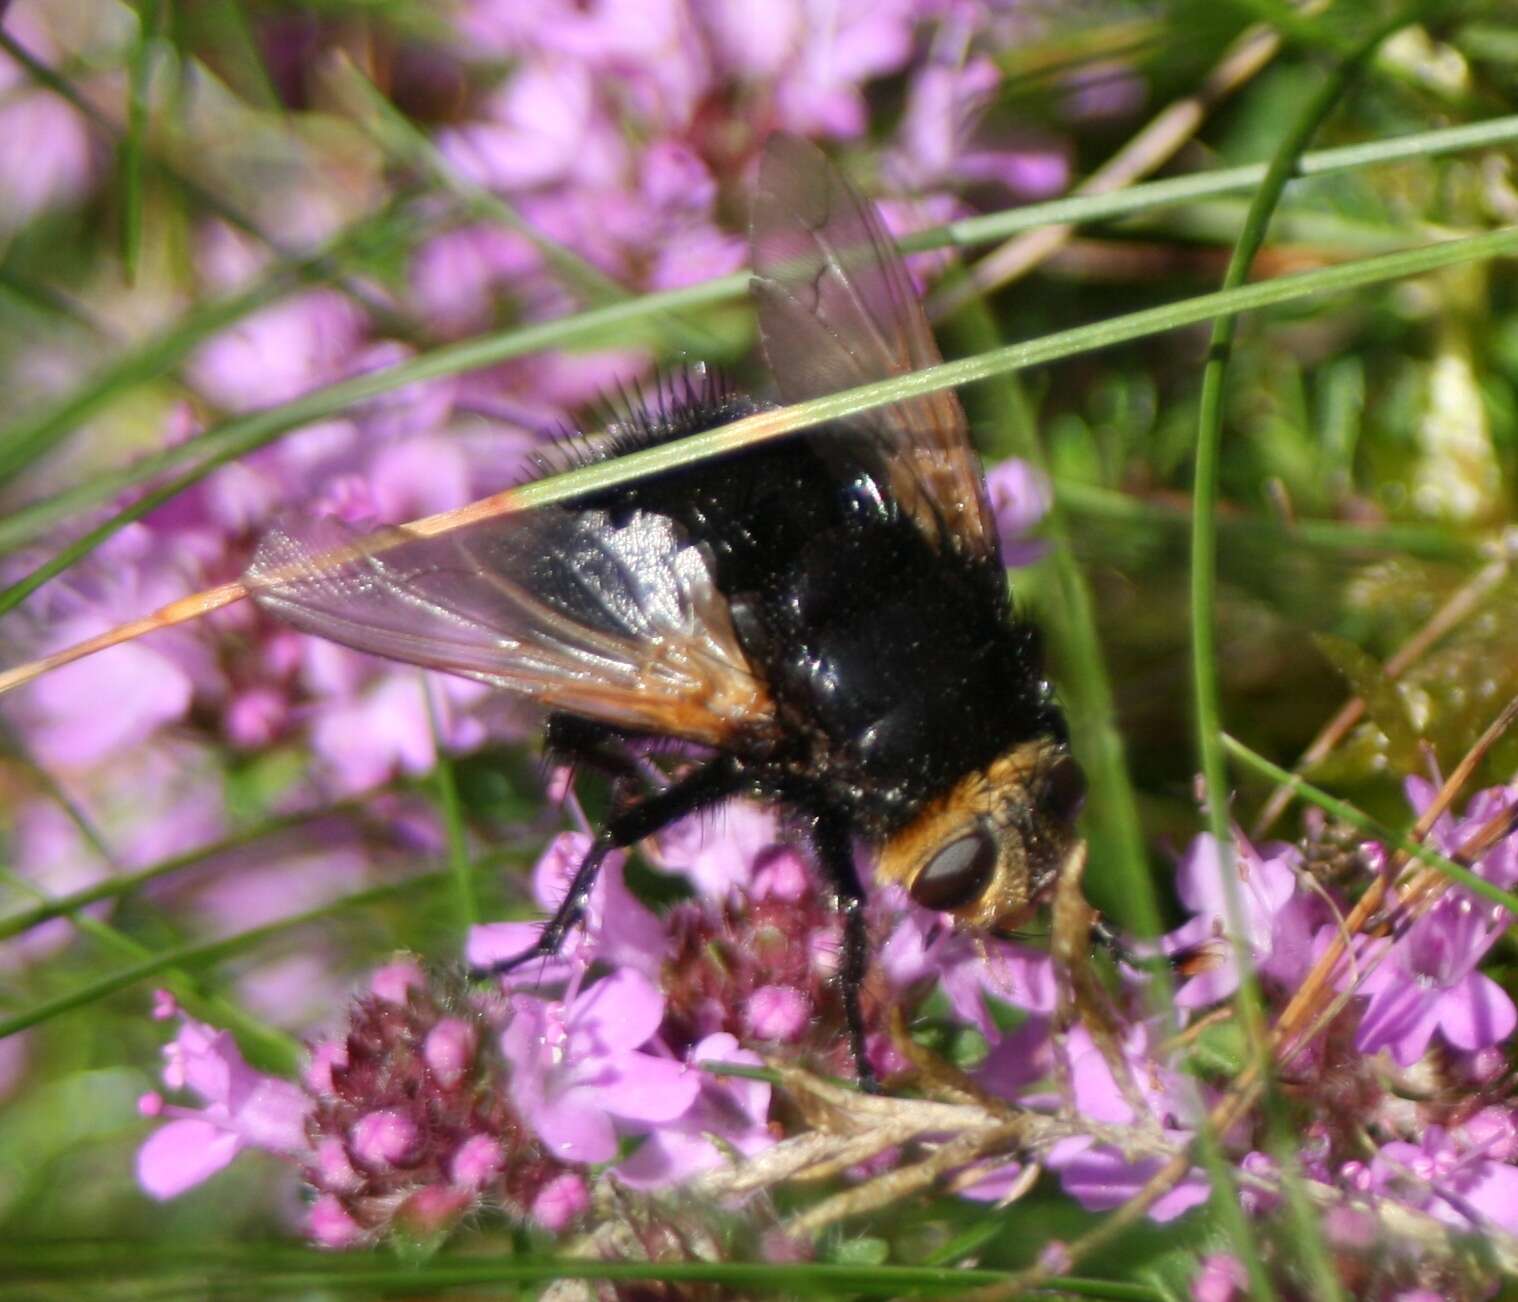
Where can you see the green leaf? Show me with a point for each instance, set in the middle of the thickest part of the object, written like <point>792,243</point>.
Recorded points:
<point>1383,702</point>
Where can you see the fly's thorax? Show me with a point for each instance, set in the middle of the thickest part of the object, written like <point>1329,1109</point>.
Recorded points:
<point>988,848</point>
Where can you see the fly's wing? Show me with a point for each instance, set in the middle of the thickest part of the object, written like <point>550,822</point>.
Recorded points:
<point>837,309</point>
<point>621,624</point>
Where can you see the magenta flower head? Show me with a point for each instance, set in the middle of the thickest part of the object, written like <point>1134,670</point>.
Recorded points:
<point>241,1108</point>
<point>617,928</point>
<point>1278,918</point>
<point>729,1120</point>
<point>580,1073</point>
<point>1426,981</point>
<point>410,1123</point>
<point>1452,1179</point>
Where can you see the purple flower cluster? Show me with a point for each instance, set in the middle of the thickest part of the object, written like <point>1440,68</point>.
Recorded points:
<point>604,1067</point>
<point>620,133</point>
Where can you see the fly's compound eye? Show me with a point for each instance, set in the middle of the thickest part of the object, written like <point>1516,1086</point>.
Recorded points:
<point>1064,790</point>
<point>958,874</point>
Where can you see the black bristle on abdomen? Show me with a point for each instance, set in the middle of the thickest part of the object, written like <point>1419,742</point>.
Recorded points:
<point>674,404</point>
<point>690,400</point>
<point>636,415</point>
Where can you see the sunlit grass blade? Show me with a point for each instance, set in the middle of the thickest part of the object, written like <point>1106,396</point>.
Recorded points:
<point>241,435</point>
<point>1374,828</point>
<point>32,436</point>
<point>1249,999</point>
<point>31,522</point>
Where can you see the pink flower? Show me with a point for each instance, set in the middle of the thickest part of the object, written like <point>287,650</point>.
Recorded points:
<point>968,968</point>
<point>535,132</point>
<point>1103,90</point>
<point>1020,498</point>
<point>386,729</point>
<point>561,1202</point>
<point>456,276</point>
<point>1428,983</point>
<point>449,1050</point>
<point>242,1109</point>
<point>1221,1279</point>
<point>1427,980</point>
<point>618,928</point>
<point>45,156</point>
<point>717,850</point>
<point>730,1115</point>
<point>279,352</point>
<point>578,1071</point>
<point>846,44</point>
<point>1266,887</point>
<point>776,1013</point>
<point>478,1159</point>
<point>752,42</point>
<point>330,1225</point>
<point>943,108</point>
<point>1455,1183</point>
<point>1099,1177</point>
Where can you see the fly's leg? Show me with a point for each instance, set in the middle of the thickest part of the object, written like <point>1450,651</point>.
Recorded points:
<point>710,784</point>
<point>569,739</point>
<point>835,854</point>
<point>1081,997</point>
<point>1111,939</point>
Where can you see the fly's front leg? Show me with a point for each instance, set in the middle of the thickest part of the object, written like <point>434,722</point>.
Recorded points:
<point>835,853</point>
<point>1080,994</point>
<point>569,739</point>
<point>710,784</point>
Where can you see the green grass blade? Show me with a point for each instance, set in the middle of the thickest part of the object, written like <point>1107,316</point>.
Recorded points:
<point>460,870</point>
<point>29,523</point>
<point>1351,814</point>
<point>245,433</point>
<point>1249,1001</point>
<point>131,153</point>
<point>193,955</point>
<point>278,1270</point>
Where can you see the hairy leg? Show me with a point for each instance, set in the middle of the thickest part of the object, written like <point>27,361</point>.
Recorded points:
<point>584,743</point>
<point>835,855</point>
<point>713,782</point>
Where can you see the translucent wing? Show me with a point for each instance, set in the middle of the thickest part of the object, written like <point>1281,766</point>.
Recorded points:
<point>621,624</point>
<point>837,309</point>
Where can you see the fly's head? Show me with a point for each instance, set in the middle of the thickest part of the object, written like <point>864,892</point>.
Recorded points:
<point>990,847</point>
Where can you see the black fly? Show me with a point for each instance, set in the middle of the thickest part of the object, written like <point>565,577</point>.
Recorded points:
<point>826,616</point>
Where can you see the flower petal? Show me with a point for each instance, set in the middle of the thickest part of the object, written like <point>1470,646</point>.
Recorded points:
<point>644,1088</point>
<point>1494,1194</point>
<point>180,1155</point>
<point>620,1011</point>
<point>1476,1012</point>
<point>574,1127</point>
<point>1400,1017</point>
